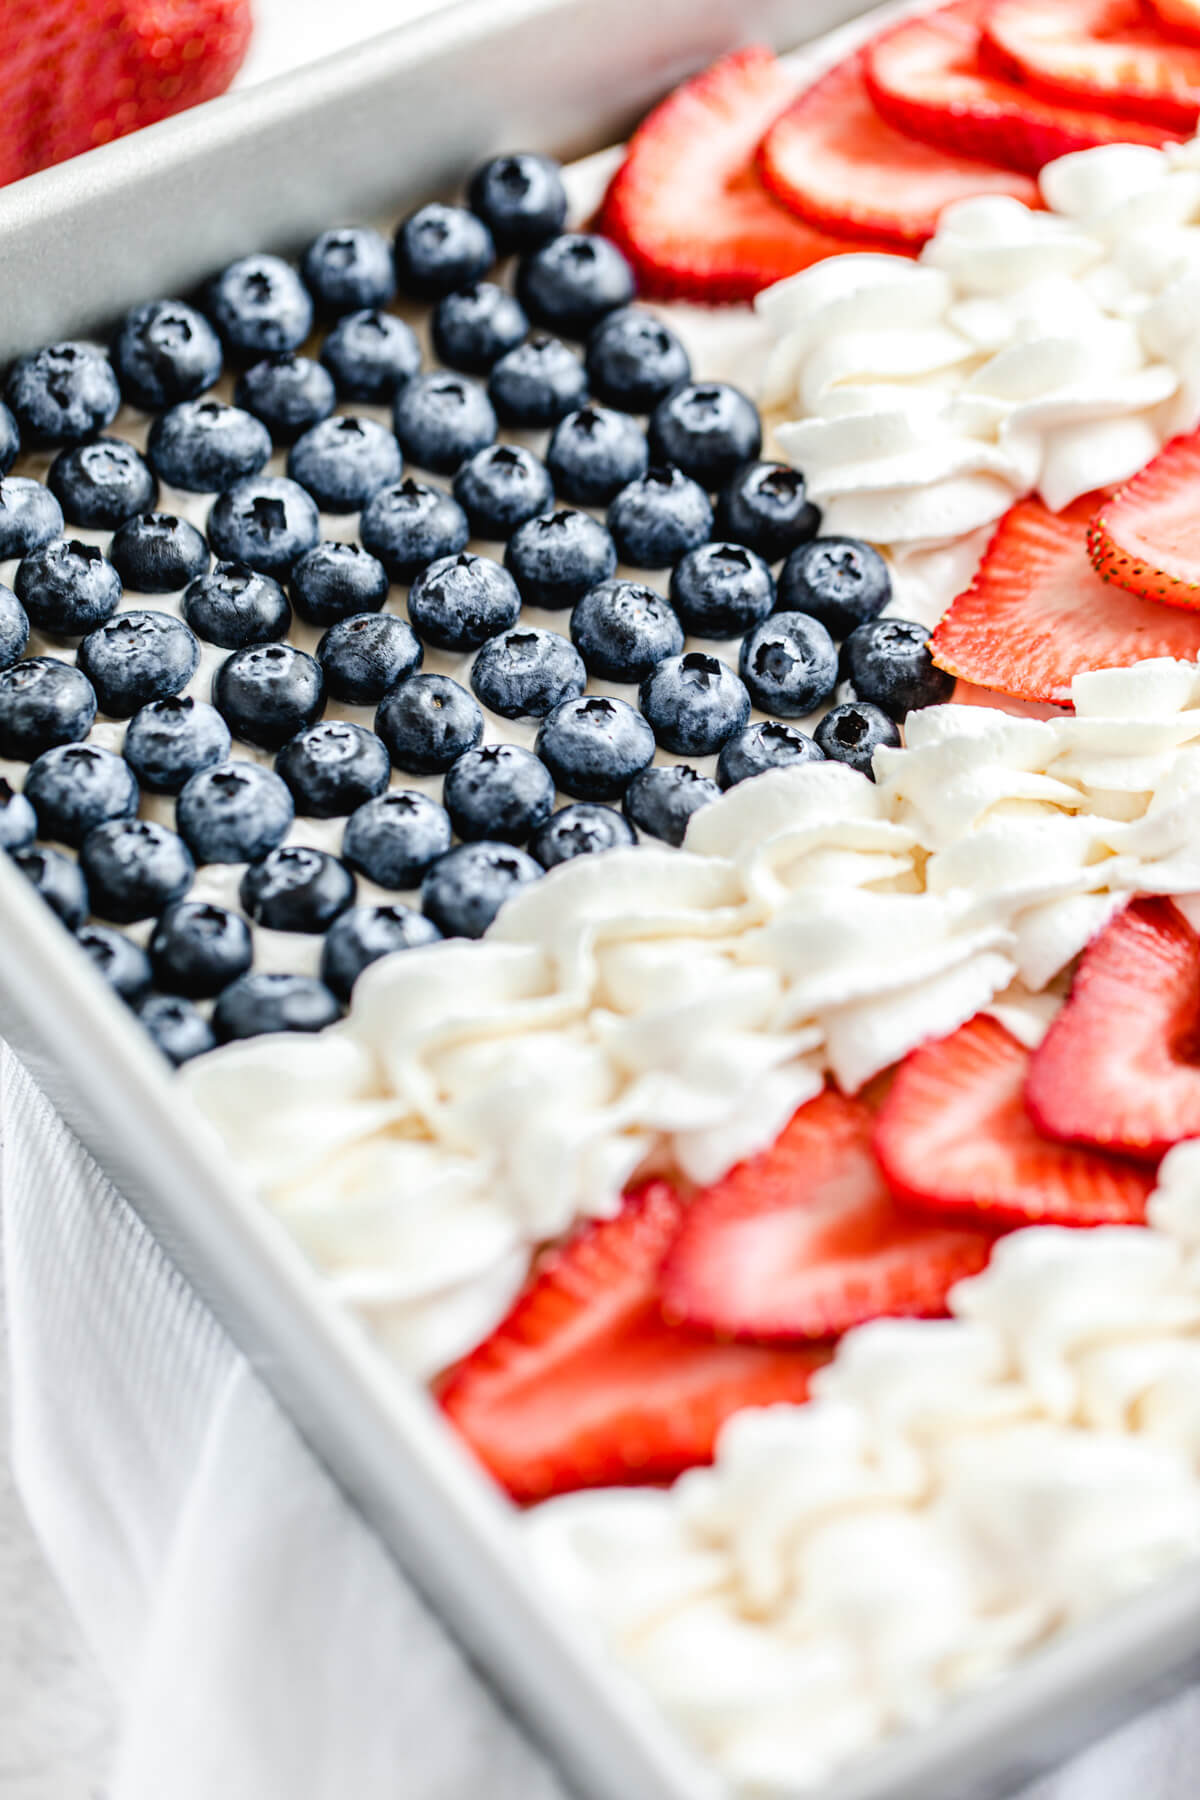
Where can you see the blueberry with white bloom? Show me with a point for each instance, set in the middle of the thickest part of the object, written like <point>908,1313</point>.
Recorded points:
<point>409,526</point>
<point>427,722</point>
<point>557,558</point>
<point>594,746</point>
<point>707,429</point>
<point>204,446</point>
<point>165,352</point>
<point>268,692</point>
<point>473,327</point>
<point>169,740</point>
<point>440,419</point>
<point>197,949</point>
<point>67,587</point>
<point>461,601</point>
<point>135,657</point>
<point>769,744</point>
<point>118,961</point>
<point>721,590</point>
<point>500,488</point>
<point>254,1005</point>
<point>158,553</point>
<point>365,656</point>
<point>498,791</point>
<point>233,606</point>
<point>659,518</point>
<point>14,628</point>
<point>440,248</point>
<point>266,521</point>
<point>75,787</point>
<point>396,838</point>
<point>349,268</point>
<point>852,733</point>
<point>370,355</point>
<point>176,1027</point>
<point>296,888</point>
<point>29,516</point>
<point>661,801</point>
<point>790,665</point>
<point>259,304</point>
<point>889,663</point>
<point>570,283</point>
<point>333,767</point>
<point>43,702</point>
<point>344,461</point>
<point>765,506</point>
<point>465,890</point>
<point>18,821</point>
<point>10,438</point>
<point>526,672</point>
<point>289,393</point>
<point>234,812</point>
<point>594,453</point>
<point>623,630</point>
<point>582,829</point>
<point>362,934</point>
<point>837,580</point>
<point>537,383</point>
<point>58,880</point>
<point>62,394</point>
<point>335,581</point>
<point>634,360</point>
<point>693,703</point>
<point>521,199</point>
<point>102,484</point>
<point>134,868</point>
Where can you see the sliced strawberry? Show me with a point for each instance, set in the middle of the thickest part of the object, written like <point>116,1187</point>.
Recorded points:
<point>585,1384</point>
<point>954,1137</point>
<point>805,1240</point>
<point>1107,53</point>
<point>1180,16</point>
<point>926,78</point>
<point>836,163</point>
<point>967,694</point>
<point>1120,1066</point>
<point>687,206</point>
<point>1147,536</point>
<point>1037,614</point>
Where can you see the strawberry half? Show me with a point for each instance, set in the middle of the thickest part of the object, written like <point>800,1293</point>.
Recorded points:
<point>954,1137</point>
<point>1037,614</point>
<point>1107,53</point>
<point>926,78</point>
<point>839,165</point>
<point>1181,16</point>
<point>584,1384</point>
<point>805,1241</point>
<point>1147,537</point>
<point>1119,1068</point>
<point>687,206</point>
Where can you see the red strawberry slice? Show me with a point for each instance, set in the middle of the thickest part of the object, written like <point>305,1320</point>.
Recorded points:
<point>1037,614</point>
<point>1147,537</point>
<point>843,168</point>
<point>1179,16</point>
<point>1120,1066</point>
<point>585,1384</point>
<point>925,77</point>
<point>686,205</point>
<point>1107,53</point>
<point>805,1241</point>
<point>954,1137</point>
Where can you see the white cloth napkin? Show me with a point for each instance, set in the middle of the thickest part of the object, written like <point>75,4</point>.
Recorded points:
<point>261,1644</point>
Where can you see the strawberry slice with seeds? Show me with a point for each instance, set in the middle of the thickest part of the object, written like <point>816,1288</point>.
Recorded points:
<point>1147,536</point>
<point>1106,53</point>
<point>1120,1066</point>
<point>585,1384</point>
<point>954,1137</point>
<point>805,1240</point>
<point>843,168</point>
<point>687,206</point>
<point>1037,614</point>
<point>926,78</point>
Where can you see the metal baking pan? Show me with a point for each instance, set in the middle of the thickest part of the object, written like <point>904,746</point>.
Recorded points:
<point>373,131</point>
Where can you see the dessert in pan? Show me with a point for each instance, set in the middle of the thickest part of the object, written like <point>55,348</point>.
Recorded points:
<point>642,761</point>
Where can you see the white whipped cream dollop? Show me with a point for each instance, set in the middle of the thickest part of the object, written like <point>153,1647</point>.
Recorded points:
<point>955,1494</point>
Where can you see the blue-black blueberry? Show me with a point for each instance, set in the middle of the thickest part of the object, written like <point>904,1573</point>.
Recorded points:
<point>164,352</point>
<point>289,393</point>
<point>693,703</point>
<point>75,787</point>
<point>14,628</point>
<point>333,767</point>
<point>765,507</point>
<point>521,199</point>
<point>582,829</point>
<point>498,791</point>
<point>460,601</point>
<point>58,880</point>
<point>234,812</point>
<point>622,630</point>
<point>538,382</point>
<point>343,461</point>
<point>62,394</point>
<point>397,837</point>
<point>721,590</point>
<point>176,1027</point>
<point>134,868</point>
<point>135,657</point>
<point>268,692</point>
<point>409,525</point>
<point>594,746</point>
<point>363,657</point>
<point>167,741</point>
<point>768,744</point>
<point>427,722</point>
<point>526,672</point>
<point>889,663</point>
<point>439,248</point>
<point>197,949</point>
<point>594,453</point>
<point>266,521</point>
<point>837,580</point>
<point>335,581</point>
<point>29,516</point>
<point>119,962</point>
<point>232,606</point>
<point>634,360</point>
<point>259,304</point>
<point>851,733</point>
<point>256,1004</point>
<point>157,553</point>
<point>790,664</point>
<point>659,517</point>
<point>707,429</point>
<point>370,355</point>
<point>348,268</point>
<point>101,484</point>
<point>555,559</point>
<point>296,888</point>
<point>204,446</point>
<point>465,890</point>
<point>570,283</point>
<point>43,702</point>
<point>362,934</point>
<point>473,327</point>
<point>499,488</point>
<point>661,801</point>
<point>67,588</point>
<point>441,418</point>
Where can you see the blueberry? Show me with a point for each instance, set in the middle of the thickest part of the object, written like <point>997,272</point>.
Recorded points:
<point>851,733</point>
<point>767,745</point>
<point>14,628</point>
<point>362,934</point>
<point>234,812</point>
<point>365,656</point>
<point>134,869</point>
<point>500,488</point>
<point>571,282</point>
<point>268,692</point>
<point>634,360</point>
<point>136,657</point>
<point>520,198</point>
<point>706,429</point>
<point>658,518</point>
<point>297,889</point>
<point>693,703</point>
<point>169,740</point>
<point>525,673</point>
<point>460,601</point>
<point>176,1027</point>
<point>233,606</point>
<point>18,821</point>
<point>10,437</point>
<point>538,383</point>
<point>661,802</point>
<point>475,326</point>
<point>409,526</point>
<point>789,664</point>
<point>594,453</point>
<point>721,590</point>
<point>498,791</point>
<point>442,419</point>
<point>205,446</point>
<point>349,268</point>
<point>102,484</point>
<point>370,355</point>
<point>427,722</point>
<point>267,522</point>
<point>43,702</point>
<point>63,394</point>
<point>333,767</point>
<point>289,393</point>
<point>394,839</point>
<point>120,962</point>
<point>59,881</point>
<point>67,587</point>
<point>582,829</point>
<point>259,304</point>
<point>165,352</point>
<point>29,516</point>
<point>465,890</point>
<point>594,746</point>
<point>156,553</point>
<point>557,558</point>
<point>336,581</point>
<point>75,787</point>
<point>837,580</point>
<point>344,461</point>
<point>255,1004</point>
<point>764,506</point>
<point>889,663</point>
<point>440,248</point>
<point>197,949</point>
<point>623,630</point>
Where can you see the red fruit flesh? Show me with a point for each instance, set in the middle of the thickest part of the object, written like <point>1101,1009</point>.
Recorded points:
<point>1147,536</point>
<point>1107,53</point>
